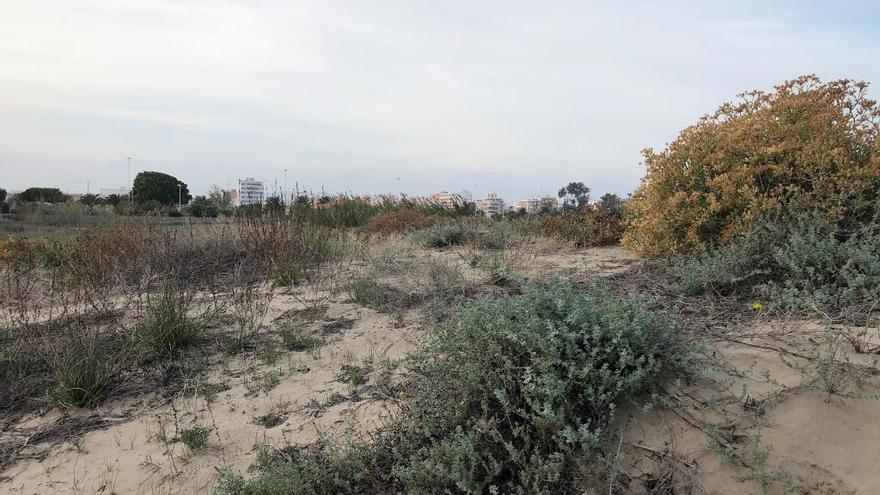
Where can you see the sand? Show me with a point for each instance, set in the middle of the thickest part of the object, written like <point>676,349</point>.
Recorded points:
<point>829,445</point>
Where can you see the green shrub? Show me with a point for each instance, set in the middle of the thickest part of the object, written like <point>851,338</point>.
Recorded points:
<point>195,438</point>
<point>295,337</point>
<point>364,290</point>
<point>84,372</point>
<point>441,235</point>
<point>513,396</point>
<point>498,235</point>
<point>288,275</point>
<point>167,325</point>
<point>795,262</point>
<point>501,272</point>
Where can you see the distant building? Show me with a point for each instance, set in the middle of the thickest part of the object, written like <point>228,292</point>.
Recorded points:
<point>491,205</point>
<point>250,192</point>
<point>548,203</point>
<point>531,205</point>
<point>545,203</point>
<point>450,200</point>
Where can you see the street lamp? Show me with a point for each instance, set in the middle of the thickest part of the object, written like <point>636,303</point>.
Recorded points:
<point>179,195</point>
<point>129,178</point>
<point>398,187</point>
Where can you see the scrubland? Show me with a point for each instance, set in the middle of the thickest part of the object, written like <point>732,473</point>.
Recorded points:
<point>728,346</point>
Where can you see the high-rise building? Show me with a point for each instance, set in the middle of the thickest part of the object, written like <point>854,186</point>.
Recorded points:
<point>548,203</point>
<point>545,203</point>
<point>530,205</point>
<point>491,205</point>
<point>449,199</point>
<point>250,192</point>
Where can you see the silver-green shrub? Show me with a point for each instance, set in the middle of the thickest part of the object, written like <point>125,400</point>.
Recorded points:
<point>794,262</point>
<point>512,396</point>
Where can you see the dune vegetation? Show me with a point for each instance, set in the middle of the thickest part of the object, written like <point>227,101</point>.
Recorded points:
<point>728,346</point>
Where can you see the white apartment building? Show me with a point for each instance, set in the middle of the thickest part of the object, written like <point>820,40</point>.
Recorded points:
<point>491,205</point>
<point>250,192</point>
<point>536,205</point>
<point>531,205</point>
<point>450,200</point>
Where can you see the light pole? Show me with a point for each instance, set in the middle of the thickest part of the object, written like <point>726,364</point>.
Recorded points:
<point>179,195</point>
<point>284,192</point>
<point>129,178</point>
<point>398,187</point>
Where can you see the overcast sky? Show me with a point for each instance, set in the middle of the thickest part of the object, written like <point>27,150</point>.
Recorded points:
<point>514,97</point>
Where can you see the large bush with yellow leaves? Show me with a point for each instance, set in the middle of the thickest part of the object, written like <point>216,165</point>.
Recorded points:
<point>806,145</point>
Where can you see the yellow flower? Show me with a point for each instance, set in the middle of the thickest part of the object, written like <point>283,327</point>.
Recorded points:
<point>757,306</point>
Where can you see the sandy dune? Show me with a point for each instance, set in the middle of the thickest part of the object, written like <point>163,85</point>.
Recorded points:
<point>828,445</point>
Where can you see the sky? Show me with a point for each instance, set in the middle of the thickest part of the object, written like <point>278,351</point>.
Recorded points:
<point>512,97</point>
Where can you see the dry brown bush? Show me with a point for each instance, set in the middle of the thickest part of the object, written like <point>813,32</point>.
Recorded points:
<point>807,145</point>
<point>586,228</point>
<point>400,221</point>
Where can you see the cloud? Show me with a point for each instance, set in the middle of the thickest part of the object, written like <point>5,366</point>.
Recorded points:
<point>513,96</point>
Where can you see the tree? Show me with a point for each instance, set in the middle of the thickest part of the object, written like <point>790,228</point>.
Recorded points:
<point>159,187</point>
<point>113,199</point>
<point>274,206</point>
<point>90,200</point>
<point>201,206</point>
<point>2,195</point>
<point>221,200</point>
<point>41,195</point>
<point>574,196</point>
<point>517,213</point>
<point>807,145</point>
<point>610,203</point>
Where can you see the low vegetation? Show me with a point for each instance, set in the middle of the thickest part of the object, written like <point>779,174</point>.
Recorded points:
<point>512,396</point>
<point>586,228</point>
<point>168,325</point>
<point>794,262</point>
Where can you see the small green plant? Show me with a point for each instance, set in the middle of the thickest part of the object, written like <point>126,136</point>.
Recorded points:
<point>195,438</point>
<point>756,456</point>
<point>84,372</point>
<point>296,337</point>
<point>444,280</point>
<point>270,380</point>
<point>265,454</point>
<point>501,272</point>
<point>250,302</point>
<point>441,235</point>
<point>167,325</point>
<point>209,391</point>
<point>832,371</point>
<point>276,415</point>
<point>159,431</point>
<point>315,352</point>
<point>288,276</point>
<point>364,290</point>
<point>353,375</point>
<point>269,353</point>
